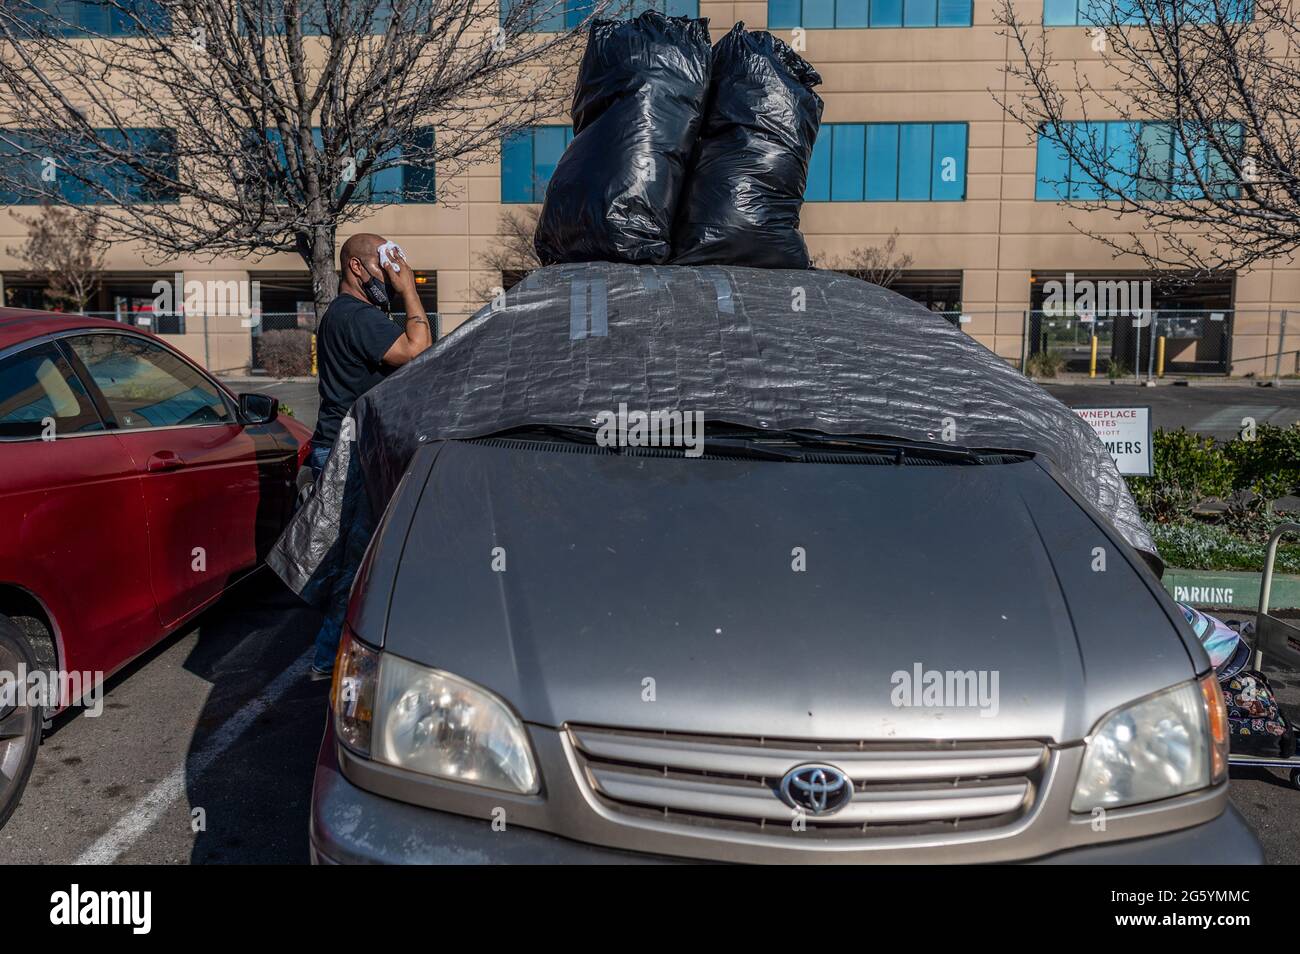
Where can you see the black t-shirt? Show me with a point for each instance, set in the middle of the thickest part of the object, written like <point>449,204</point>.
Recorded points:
<point>351,342</point>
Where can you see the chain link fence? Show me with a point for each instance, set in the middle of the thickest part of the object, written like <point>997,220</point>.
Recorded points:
<point>1168,341</point>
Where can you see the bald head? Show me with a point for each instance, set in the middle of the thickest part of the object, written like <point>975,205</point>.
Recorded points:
<point>358,262</point>
<point>363,245</point>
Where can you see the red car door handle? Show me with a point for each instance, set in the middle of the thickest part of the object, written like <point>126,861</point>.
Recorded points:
<point>164,460</point>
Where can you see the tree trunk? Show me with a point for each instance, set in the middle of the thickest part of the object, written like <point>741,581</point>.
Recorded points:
<point>317,249</point>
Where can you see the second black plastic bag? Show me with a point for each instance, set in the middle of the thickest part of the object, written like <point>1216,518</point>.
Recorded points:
<point>637,111</point>
<point>742,200</point>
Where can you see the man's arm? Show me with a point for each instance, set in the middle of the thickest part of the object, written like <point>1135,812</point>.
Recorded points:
<point>418,336</point>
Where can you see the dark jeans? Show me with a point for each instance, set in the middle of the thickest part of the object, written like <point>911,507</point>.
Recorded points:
<point>331,631</point>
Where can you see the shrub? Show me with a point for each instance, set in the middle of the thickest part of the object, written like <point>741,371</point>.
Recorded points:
<point>1269,465</point>
<point>1044,364</point>
<point>1186,469</point>
<point>1115,369</point>
<point>285,353</point>
<point>1204,546</point>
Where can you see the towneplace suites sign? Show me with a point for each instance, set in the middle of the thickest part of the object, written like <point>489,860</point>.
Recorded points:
<point>1126,432</point>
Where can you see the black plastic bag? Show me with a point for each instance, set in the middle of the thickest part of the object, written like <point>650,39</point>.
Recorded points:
<point>637,111</point>
<point>742,200</point>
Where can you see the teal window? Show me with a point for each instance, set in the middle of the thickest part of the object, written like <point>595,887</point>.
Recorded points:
<point>555,16</point>
<point>94,18</point>
<point>396,183</point>
<point>847,14</point>
<point>1097,161</point>
<point>888,162</point>
<point>85,173</point>
<point>1118,12</point>
<point>400,182</point>
<point>314,19</point>
<point>528,159</point>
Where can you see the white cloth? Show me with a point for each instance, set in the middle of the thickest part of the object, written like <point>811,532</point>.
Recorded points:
<point>391,252</point>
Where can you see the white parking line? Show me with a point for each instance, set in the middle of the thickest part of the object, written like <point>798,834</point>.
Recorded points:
<point>142,815</point>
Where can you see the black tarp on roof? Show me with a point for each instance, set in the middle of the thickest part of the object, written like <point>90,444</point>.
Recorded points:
<point>755,347</point>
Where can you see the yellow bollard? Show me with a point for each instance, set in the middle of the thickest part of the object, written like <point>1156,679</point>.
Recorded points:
<point>1160,357</point>
<point>1092,359</point>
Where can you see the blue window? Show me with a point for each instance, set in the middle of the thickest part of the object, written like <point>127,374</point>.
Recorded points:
<point>396,183</point>
<point>828,14</point>
<point>1143,160</point>
<point>315,19</point>
<point>888,162</point>
<point>848,162</point>
<point>948,163</point>
<point>914,168</point>
<point>93,17</point>
<point>400,182</point>
<point>1117,12</point>
<point>882,158</point>
<point>86,173</point>
<point>528,159</point>
<point>555,16</point>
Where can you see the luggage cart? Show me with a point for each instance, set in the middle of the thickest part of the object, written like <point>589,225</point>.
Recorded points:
<point>1281,640</point>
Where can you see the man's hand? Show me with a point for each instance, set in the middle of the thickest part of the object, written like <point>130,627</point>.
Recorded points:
<point>418,336</point>
<point>400,273</point>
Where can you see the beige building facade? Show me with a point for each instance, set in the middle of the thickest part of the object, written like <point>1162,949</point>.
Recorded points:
<point>987,251</point>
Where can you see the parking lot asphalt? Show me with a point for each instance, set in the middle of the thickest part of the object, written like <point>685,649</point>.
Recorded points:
<point>205,747</point>
<point>203,752</point>
<point>1216,410</point>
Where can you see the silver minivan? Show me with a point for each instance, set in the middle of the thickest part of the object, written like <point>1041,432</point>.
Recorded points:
<point>796,647</point>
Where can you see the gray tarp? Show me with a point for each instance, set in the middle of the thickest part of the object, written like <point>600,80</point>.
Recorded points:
<point>755,347</point>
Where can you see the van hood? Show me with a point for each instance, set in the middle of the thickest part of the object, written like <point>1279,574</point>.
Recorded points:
<point>777,600</point>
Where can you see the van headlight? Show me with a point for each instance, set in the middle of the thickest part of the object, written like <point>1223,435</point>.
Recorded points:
<point>1169,743</point>
<point>428,721</point>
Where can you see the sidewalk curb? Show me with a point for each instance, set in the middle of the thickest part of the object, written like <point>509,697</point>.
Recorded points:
<point>1237,589</point>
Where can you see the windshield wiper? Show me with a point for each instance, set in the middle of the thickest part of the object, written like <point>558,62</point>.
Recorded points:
<point>897,448</point>
<point>721,446</point>
<point>884,445</point>
<point>729,440</point>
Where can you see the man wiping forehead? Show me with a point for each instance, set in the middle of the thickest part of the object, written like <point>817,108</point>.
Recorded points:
<point>357,345</point>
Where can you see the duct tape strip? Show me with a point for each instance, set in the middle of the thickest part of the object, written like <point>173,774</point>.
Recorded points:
<point>723,289</point>
<point>588,308</point>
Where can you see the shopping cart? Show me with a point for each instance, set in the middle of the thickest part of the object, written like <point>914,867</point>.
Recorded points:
<point>1281,641</point>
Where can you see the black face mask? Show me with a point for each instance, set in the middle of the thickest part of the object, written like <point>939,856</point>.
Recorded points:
<point>381,294</point>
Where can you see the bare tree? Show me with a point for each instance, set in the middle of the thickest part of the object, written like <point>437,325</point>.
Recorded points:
<point>1192,133</point>
<point>65,251</point>
<point>513,254</point>
<point>248,127</point>
<point>878,264</point>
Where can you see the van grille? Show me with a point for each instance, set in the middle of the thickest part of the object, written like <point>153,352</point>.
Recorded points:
<point>898,788</point>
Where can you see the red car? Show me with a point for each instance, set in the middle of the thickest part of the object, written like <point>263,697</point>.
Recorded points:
<point>134,491</point>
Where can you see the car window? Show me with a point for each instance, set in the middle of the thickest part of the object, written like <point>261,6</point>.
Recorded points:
<point>146,385</point>
<point>41,397</point>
